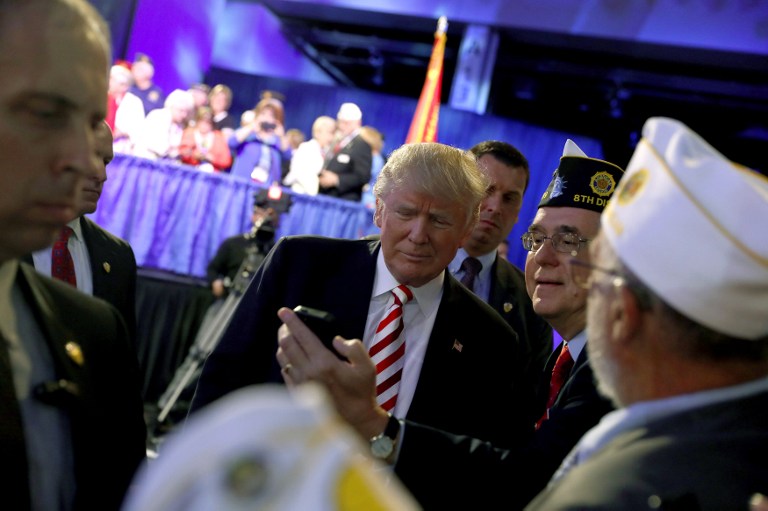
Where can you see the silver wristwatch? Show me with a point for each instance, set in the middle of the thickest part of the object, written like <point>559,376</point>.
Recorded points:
<point>383,445</point>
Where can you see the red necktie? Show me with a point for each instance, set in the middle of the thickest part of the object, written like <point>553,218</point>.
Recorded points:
<point>388,350</point>
<point>560,373</point>
<point>62,266</point>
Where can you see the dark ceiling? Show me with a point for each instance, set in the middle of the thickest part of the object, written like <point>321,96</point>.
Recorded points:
<point>596,87</point>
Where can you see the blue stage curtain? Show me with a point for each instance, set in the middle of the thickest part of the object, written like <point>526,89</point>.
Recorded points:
<point>392,115</point>
<point>175,216</point>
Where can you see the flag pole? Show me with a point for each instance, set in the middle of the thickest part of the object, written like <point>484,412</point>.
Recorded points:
<point>424,124</point>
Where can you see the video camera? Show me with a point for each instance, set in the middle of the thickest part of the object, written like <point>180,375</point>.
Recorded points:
<point>269,198</point>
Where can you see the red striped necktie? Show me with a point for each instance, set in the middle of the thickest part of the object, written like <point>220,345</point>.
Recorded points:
<point>62,265</point>
<point>560,373</point>
<point>388,349</point>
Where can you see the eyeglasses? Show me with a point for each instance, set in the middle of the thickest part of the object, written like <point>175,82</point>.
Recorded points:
<point>583,273</point>
<point>563,242</point>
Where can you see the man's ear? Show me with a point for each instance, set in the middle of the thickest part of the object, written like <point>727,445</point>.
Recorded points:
<point>626,314</point>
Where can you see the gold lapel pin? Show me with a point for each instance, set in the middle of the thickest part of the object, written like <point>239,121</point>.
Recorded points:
<point>75,352</point>
<point>508,307</point>
<point>107,267</point>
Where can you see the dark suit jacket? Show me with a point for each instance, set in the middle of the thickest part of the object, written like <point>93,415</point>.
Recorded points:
<point>466,473</point>
<point>231,254</point>
<point>118,285</point>
<point>472,390</point>
<point>710,458</point>
<point>353,166</point>
<point>510,299</point>
<point>107,418</point>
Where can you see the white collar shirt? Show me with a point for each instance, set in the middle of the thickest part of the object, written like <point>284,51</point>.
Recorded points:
<point>79,250</point>
<point>418,317</point>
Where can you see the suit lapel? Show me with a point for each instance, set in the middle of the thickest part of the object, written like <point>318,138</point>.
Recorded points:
<point>65,349</point>
<point>501,297</point>
<point>98,255</point>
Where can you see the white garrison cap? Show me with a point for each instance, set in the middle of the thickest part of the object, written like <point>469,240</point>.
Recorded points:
<point>691,225</point>
<point>349,112</point>
<point>263,448</point>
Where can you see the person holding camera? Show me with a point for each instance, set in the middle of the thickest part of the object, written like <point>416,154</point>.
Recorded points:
<point>257,145</point>
<point>222,269</point>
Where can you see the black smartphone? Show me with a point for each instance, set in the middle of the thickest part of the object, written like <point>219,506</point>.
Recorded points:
<point>322,323</point>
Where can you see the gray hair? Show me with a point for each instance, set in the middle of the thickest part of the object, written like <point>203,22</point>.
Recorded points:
<point>438,170</point>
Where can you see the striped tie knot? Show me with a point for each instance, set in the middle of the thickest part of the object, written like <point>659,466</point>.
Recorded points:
<point>388,349</point>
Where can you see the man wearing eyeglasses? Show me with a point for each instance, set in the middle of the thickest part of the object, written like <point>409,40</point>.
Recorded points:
<point>678,335</point>
<point>469,473</point>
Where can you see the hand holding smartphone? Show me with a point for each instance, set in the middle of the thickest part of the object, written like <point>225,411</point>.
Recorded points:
<point>323,325</point>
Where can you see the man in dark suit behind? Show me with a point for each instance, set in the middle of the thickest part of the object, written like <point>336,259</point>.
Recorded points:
<point>462,361</point>
<point>109,260</point>
<point>347,166</point>
<point>500,283</point>
<point>72,431</point>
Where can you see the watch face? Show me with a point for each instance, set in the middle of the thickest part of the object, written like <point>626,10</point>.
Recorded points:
<point>382,446</point>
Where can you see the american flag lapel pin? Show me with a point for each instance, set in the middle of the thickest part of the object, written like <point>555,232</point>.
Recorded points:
<point>457,345</point>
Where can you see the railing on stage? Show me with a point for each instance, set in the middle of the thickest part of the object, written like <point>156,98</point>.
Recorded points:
<point>175,216</point>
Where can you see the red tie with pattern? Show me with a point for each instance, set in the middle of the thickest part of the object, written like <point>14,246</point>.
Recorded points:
<point>62,266</point>
<point>560,372</point>
<point>388,349</point>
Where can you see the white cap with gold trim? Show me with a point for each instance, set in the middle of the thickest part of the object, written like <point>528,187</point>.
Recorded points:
<point>692,226</point>
<point>263,447</point>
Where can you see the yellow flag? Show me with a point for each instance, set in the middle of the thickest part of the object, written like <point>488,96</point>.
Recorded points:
<point>424,123</point>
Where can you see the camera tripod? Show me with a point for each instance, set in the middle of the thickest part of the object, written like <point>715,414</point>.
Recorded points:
<point>209,335</point>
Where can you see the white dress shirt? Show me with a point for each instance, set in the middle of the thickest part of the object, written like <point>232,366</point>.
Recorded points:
<point>78,249</point>
<point>418,318</point>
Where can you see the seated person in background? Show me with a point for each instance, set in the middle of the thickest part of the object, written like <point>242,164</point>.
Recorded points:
<point>347,166</point>
<point>307,160</point>
<point>678,335</point>
<point>220,101</point>
<point>204,146</point>
<point>455,363</point>
<point>160,137</point>
<point>376,140</point>
<point>258,144</point>
<point>125,112</point>
<point>144,87</point>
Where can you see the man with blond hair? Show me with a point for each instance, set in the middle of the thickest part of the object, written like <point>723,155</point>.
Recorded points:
<point>455,363</point>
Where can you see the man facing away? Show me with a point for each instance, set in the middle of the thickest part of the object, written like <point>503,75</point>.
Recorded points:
<point>72,429</point>
<point>678,335</point>
<point>497,281</point>
<point>104,264</point>
<point>450,362</point>
<point>512,470</point>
